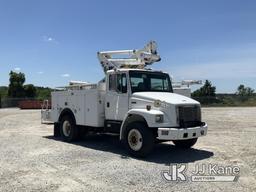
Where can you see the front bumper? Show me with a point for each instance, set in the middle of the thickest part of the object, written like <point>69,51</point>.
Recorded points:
<point>182,133</point>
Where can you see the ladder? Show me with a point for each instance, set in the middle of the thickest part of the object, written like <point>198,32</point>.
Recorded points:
<point>46,113</point>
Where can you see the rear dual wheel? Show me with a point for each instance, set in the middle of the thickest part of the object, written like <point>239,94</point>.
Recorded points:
<point>68,129</point>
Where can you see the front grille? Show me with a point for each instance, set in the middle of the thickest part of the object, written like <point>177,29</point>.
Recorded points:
<point>189,116</point>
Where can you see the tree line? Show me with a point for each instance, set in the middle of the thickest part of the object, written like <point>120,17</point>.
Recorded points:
<point>17,88</point>
<point>208,90</point>
<point>206,95</point>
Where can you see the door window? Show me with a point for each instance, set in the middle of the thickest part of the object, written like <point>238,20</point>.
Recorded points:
<point>118,83</point>
<point>121,83</point>
<point>112,82</point>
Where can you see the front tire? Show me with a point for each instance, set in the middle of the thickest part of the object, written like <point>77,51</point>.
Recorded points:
<point>68,129</point>
<point>185,144</point>
<point>139,139</point>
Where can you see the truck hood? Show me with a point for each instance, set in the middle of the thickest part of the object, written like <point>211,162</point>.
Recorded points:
<point>171,98</point>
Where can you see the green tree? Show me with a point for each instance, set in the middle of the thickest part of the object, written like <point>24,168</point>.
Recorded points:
<point>207,90</point>
<point>30,90</point>
<point>244,91</point>
<point>43,93</point>
<point>3,91</point>
<point>16,88</point>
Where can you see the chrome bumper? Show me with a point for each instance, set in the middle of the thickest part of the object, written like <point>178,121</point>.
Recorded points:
<point>181,133</point>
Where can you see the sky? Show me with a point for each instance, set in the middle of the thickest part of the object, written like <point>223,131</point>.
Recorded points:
<point>55,41</point>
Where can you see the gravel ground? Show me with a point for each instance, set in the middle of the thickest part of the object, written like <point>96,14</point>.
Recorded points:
<point>32,160</point>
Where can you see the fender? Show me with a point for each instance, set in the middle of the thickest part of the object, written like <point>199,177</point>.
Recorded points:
<point>141,115</point>
<point>67,111</point>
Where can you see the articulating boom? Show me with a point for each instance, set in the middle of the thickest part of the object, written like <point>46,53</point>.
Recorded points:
<point>134,58</point>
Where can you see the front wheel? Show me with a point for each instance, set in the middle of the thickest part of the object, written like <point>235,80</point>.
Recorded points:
<point>185,143</point>
<point>139,139</point>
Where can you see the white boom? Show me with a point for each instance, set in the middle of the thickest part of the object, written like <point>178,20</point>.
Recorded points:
<point>134,58</point>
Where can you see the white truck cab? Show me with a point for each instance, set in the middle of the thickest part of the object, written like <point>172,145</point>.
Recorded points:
<point>137,103</point>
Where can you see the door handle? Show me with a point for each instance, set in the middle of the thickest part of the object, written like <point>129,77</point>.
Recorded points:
<point>108,104</point>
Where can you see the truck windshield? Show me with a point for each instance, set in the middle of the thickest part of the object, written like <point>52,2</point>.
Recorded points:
<point>150,81</point>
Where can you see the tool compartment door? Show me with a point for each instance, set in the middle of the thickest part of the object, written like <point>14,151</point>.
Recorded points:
<point>93,109</point>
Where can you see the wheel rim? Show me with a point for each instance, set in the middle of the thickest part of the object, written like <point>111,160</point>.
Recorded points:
<point>66,128</point>
<point>135,139</point>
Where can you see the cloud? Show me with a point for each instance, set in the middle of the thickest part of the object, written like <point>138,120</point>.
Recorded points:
<point>40,72</point>
<point>49,39</point>
<point>65,75</point>
<point>17,69</point>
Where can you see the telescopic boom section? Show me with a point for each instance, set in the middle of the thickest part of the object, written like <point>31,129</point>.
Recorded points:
<point>137,58</point>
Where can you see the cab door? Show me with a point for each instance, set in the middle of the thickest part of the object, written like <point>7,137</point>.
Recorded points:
<point>117,99</point>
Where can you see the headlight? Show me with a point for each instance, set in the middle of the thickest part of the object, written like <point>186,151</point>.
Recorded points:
<point>157,103</point>
<point>159,118</point>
